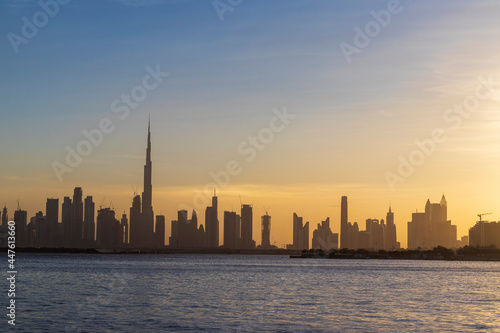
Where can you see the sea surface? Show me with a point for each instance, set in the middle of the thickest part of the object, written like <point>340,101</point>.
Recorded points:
<point>250,293</point>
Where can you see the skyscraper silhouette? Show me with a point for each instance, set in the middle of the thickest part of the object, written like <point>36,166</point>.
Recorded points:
<point>124,228</point>
<point>5,218</point>
<point>391,242</point>
<point>344,243</point>
<point>485,234</point>
<point>147,198</point>
<point>135,222</point>
<point>432,228</point>
<point>300,234</point>
<point>52,213</point>
<point>231,230</point>
<point>247,227</point>
<point>67,214</point>
<point>212,224</point>
<point>324,238</point>
<point>21,219</point>
<point>142,219</point>
<point>185,233</point>
<point>108,233</point>
<point>89,222</point>
<point>77,218</point>
<point>266,231</point>
<point>37,230</point>
<point>160,231</point>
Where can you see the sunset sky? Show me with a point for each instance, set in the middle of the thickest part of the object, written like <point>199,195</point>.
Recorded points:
<point>353,119</point>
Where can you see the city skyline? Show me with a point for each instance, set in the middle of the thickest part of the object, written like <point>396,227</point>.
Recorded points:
<point>378,234</point>
<point>79,228</point>
<point>213,84</point>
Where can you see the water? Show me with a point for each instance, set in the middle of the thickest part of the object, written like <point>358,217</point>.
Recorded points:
<point>213,293</point>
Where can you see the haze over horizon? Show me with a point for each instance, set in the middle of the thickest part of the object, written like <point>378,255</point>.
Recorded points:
<point>227,80</point>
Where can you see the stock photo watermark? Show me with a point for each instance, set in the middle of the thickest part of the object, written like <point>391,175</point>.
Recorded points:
<point>248,149</point>
<point>95,136</point>
<point>31,27</point>
<point>454,118</point>
<point>11,272</point>
<point>371,30</point>
<point>223,6</point>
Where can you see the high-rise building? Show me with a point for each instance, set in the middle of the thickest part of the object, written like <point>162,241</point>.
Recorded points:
<point>201,239</point>
<point>200,231</point>
<point>212,224</point>
<point>173,240</point>
<point>5,218</point>
<point>21,219</point>
<point>148,239</point>
<point>485,234</point>
<point>4,228</point>
<point>266,231</point>
<point>135,222</point>
<point>89,222</point>
<point>343,224</point>
<point>376,236</point>
<point>231,230</point>
<point>391,242</point>
<point>247,241</point>
<point>432,228</point>
<point>324,238</point>
<point>124,228</point>
<point>38,231</point>
<point>192,232</point>
<point>52,214</point>
<point>142,233</point>
<point>67,218</point>
<point>108,234</point>
<point>183,230</point>
<point>349,232</point>
<point>373,237</point>
<point>417,237</point>
<point>77,221</point>
<point>185,233</point>
<point>300,234</point>
<point>160,231</point>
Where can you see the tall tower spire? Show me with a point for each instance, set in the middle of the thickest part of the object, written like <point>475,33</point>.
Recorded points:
<point>443,201</point>
<point>147,237</point>
<point>148,150</point>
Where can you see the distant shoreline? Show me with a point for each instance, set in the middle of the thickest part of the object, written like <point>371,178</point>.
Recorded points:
<point>418,257</point>
<point>156,251</point>
<point>462,254</point>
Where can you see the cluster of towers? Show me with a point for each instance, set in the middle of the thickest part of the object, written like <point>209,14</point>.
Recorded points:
<point>79,229</point>
<point>78,226</point>
<point>237,232</point>
<point>432,228</point>
<point>378,234</point>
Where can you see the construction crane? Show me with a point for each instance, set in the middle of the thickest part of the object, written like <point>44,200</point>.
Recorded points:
<point>481,215</point>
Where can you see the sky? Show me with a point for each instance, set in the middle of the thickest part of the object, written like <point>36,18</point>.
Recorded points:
<point>311,100</point>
